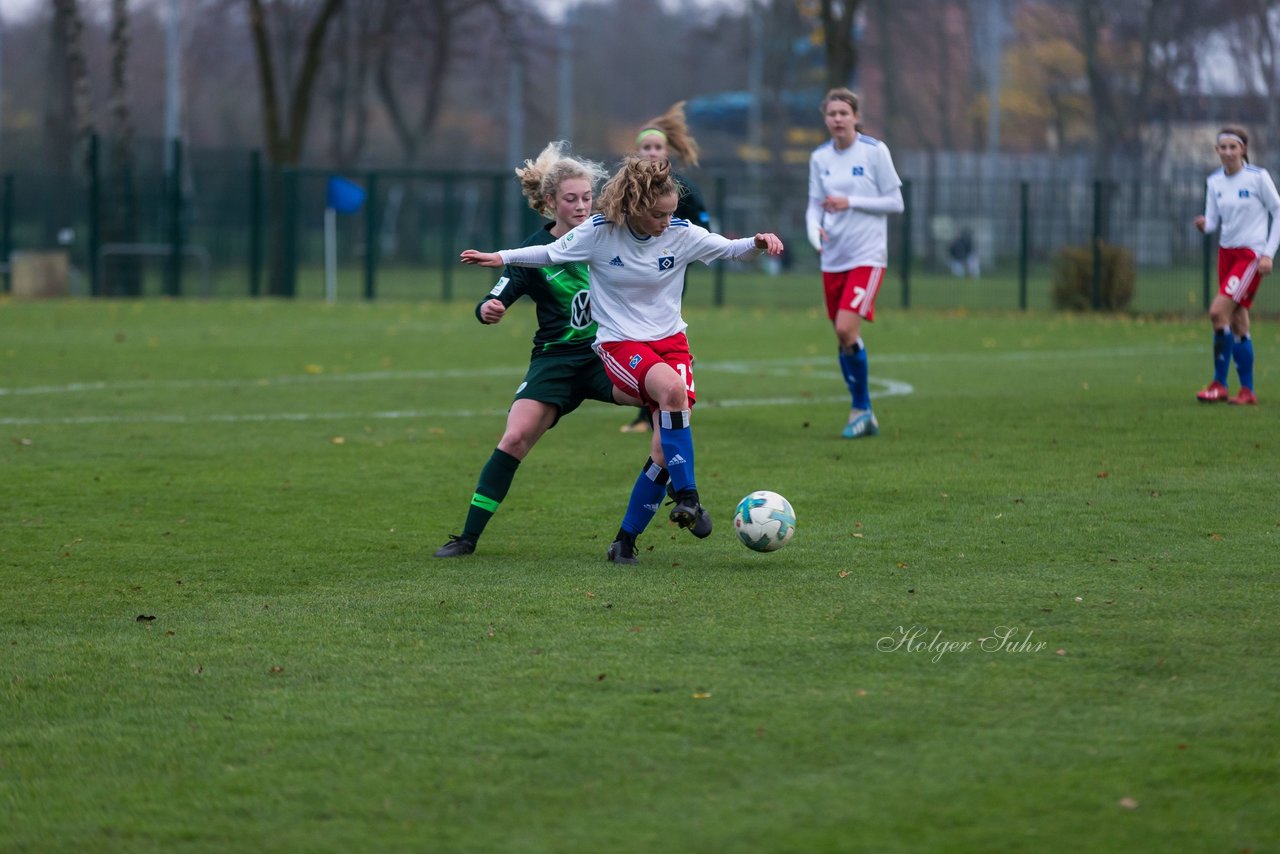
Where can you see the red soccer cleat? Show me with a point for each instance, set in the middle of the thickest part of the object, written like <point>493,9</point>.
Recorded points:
<point>1214,392</point>
<point>1245,397</point>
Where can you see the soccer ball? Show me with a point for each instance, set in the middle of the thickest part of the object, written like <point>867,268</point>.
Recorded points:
<point>764,521</point>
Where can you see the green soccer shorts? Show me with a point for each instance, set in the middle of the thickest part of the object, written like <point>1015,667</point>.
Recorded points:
<point>565,380</point>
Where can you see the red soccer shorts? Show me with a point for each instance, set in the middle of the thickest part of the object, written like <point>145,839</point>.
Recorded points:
<point>853,290</point>
<point>1238,277</point>
<point>628,362</point>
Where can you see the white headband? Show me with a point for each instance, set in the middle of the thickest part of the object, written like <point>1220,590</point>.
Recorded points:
<point>1236,137</point>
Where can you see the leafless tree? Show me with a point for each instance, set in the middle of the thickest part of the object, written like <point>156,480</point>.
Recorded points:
<point>893,108</point>
<point>68,18</point>
<point>121,220</point>
<point>1133,55</point>
<point>1251,28</point>
<point>420,40</point>
<point>1109,120</point>
<point>839,20</point>
<point>68,116</point>
<point>676,54</point>
<point>285,125</point>
<point>347,86</point>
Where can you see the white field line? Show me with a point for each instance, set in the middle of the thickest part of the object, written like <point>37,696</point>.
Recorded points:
<point>882,387</point>
<point>263,382</point>
<point>890,388</point>
<point>245,417</point>
<point>775,367</point>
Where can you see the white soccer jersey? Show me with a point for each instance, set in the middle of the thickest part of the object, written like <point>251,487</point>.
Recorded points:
<point>1240,205</point>
<point>863,172</point>
<point>636,282</point>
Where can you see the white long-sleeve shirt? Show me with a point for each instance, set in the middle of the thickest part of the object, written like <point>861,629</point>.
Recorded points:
<point>636,281</point>
<point>1239,204</point>
<point>863,173</point>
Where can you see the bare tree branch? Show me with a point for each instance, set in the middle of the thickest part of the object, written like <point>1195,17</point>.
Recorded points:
<point>838,20</point>
<point>266,80</point>
<point>67,15</point>
<point>287,148</point>
<point>300,103</point>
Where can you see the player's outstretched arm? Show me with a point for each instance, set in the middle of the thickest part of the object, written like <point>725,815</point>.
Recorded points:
<point>484,259</point>
<point>769,242</point>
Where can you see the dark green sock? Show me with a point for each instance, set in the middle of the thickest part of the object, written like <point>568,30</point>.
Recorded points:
<point>495,480</point>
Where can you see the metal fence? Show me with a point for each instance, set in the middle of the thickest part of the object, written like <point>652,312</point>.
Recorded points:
<point>232,227</point>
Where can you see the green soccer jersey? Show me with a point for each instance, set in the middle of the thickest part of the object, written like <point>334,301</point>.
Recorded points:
<point>559,291</point>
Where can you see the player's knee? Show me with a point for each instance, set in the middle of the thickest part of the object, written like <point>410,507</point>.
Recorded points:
<point>517,442</point>
<point>846,336</point>
<point>847,326</point>
<point>674,398</point>
<point>667,389</point>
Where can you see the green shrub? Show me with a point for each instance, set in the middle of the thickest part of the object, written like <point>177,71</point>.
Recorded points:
<point>1073,278</point>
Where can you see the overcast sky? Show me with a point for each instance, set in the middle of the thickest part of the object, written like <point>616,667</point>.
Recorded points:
<point>19,8</point>
<point>16,8</point>
<point>556,8</point>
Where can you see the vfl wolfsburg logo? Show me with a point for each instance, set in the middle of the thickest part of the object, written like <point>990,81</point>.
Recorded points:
<point>580,310</point>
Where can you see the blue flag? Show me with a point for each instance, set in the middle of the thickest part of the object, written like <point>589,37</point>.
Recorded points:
<point>345,197</point>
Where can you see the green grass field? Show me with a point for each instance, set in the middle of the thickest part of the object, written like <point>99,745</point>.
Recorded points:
<point>1038,613</point>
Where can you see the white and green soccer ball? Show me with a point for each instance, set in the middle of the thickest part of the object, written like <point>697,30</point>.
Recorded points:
<point>764,521</point>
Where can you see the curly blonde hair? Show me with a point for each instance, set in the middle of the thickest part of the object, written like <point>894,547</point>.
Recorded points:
<point>541,177</point>
<point>635,187</point>
<point>675,130</point>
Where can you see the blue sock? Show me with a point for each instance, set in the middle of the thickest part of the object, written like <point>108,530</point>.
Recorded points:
<point>1221,355</point>
<point>677,445</point>
<point>646,497</point>
<point>853,364</point>
<point>1242,351</point>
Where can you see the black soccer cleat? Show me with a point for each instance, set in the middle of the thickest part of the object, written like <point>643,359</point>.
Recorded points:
<point>701,527</point>
<point>689,513</point>
<point>623,549</point>
<point>456,547</point>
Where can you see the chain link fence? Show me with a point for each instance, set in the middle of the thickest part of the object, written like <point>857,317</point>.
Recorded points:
<point>229,226</point>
